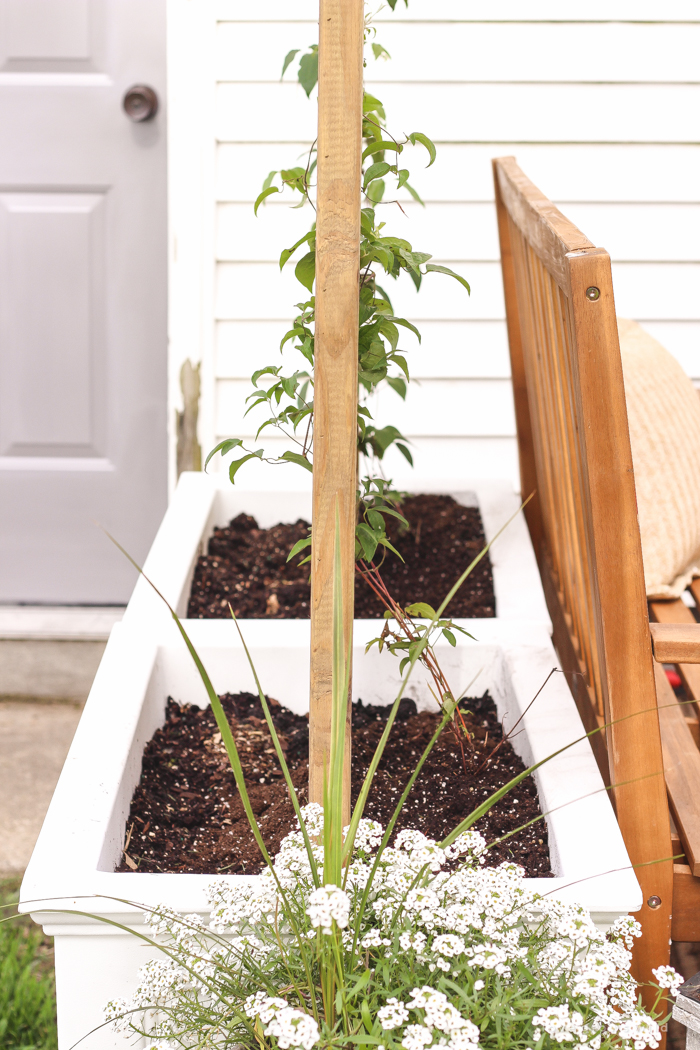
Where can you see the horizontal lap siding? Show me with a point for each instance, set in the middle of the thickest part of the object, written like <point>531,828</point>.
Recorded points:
<point>603,114</point>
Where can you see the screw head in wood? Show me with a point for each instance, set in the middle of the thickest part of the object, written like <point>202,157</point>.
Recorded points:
<point>654,902</point>
<point>593,293</point>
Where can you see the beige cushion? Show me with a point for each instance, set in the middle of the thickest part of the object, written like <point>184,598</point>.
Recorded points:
<point>663,408</point>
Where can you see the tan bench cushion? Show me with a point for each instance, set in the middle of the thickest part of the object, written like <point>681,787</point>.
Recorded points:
<point>664,419</point>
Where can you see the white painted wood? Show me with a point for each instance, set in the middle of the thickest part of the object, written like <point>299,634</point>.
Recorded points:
<point>201,502</point>
<point>191,176</point>
<point>482,112</point>
<point>481,51</point>
<point>72,867</point>
<point>83,296</point>
<point>449,349</point>
<point>599,106</point>
<point>472,11</point>
<point>32,30</point>
<point>52,324</point>
<point>433,407</point>
<point>467,230</point>
<point>566,171</point>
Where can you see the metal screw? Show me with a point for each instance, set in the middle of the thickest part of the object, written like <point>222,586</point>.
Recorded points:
<point>593,293</point>
<point>654,902</point>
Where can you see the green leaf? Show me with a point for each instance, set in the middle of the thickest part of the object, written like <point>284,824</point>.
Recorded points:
<point>299,546</point>
<point>404,324</point>
<point>375,171</point>
<point>366,1016</point>
<point>308,71</point>
<point>288,252</point>
<point>399,385</point>
<point>370,104</point>
<point>380,52</point>
<point>368,541</point>
<point>418,136</point>
<point>404,452</point>
<point>375,192</point>
<point>265,193</point>
<point>268,180</point>
<point>376,520</point>
<point>380,146</point>
<point>421,609</point>
<point>416,196</point>
<point>434,268</point>
<point>295,457</point>
<point>292,334</point>
<point>404,175</point>
<point>305,270</point>
<point>224,447</point>
<point>449,635</point>
<point>290,58</point>
<point>238,463</point>
<point>268,370</point>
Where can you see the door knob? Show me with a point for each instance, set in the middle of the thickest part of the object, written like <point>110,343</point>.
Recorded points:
<point>140,103</point>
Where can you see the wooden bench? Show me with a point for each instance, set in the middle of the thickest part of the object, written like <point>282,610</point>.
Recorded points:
<point>575,455</point>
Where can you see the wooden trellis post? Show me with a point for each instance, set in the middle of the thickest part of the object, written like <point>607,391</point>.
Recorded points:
<point>341,27</point>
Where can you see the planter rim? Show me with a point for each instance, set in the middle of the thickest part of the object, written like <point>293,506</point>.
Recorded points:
<point>202,501</point>
<point>83,823</point>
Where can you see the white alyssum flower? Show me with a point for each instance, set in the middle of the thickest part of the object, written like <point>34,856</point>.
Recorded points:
<point>448,944</point>
<point>416,1036</point>
<point>417,923</point>
<point>328,904</point>
<point>667,977</point>
<point>393,1015</point>
<point>292,1028</point>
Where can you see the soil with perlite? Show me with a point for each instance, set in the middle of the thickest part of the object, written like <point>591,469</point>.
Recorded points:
<point>248,567</point>
<point>187,816</point>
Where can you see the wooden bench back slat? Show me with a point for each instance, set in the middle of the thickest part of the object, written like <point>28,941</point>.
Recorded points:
<point>575,452</point>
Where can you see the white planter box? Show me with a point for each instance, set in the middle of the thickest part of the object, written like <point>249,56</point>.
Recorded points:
<point>80,843</point>
<point>202,502</point>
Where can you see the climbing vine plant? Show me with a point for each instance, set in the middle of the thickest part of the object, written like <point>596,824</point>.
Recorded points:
<point>288,395</point>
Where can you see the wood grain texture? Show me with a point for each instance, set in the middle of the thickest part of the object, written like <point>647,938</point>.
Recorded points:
<point>526,451</point>
<point>685,924</point>
<point>633,736</point>
<point>676,612</point>
<point>548,231</point>
<point>681,769</point>
<point>676,643</point>
<point>335,375</point>
<point>591,558</point>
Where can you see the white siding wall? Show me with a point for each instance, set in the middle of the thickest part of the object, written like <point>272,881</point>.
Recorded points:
<point>602,112</point>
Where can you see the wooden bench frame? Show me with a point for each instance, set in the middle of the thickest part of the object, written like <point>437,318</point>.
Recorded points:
<point>574,447</point>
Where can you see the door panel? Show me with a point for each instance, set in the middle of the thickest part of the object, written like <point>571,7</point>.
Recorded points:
<point>82,297</point>
<point>52,324</point>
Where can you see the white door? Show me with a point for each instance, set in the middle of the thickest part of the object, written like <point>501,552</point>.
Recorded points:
<point>82,297</point>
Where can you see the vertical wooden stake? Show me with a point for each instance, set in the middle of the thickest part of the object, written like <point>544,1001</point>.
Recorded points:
<point>341,28</point>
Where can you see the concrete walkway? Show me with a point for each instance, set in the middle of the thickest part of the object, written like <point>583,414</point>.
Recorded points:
<point>34,741</point>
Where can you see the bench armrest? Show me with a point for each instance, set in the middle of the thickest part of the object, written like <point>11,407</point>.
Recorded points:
<point>676,643</point>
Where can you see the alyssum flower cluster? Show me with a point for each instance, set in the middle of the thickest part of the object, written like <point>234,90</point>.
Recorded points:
<point>432,949</point>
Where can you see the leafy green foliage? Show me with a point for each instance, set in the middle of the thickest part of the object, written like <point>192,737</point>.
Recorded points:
<point>27,996</point>
<point>288,395</point>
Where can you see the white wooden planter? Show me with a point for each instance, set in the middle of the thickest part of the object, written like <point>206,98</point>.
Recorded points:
<point>202,502</point>
<point>80,844</point>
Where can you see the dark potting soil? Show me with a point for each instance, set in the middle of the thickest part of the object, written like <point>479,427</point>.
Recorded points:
<point>187,816</point>
<point>248,567</point>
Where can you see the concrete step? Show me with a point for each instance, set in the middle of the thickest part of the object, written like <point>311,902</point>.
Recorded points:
<point>52,652</point>
<point>34,741</point>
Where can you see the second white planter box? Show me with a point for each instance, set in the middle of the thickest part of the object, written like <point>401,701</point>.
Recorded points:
<point>73,866</point>
<point>201,502</point>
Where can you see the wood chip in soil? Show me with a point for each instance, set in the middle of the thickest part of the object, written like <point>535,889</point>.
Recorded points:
<point>187,816</point>
<point>247,566</point>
